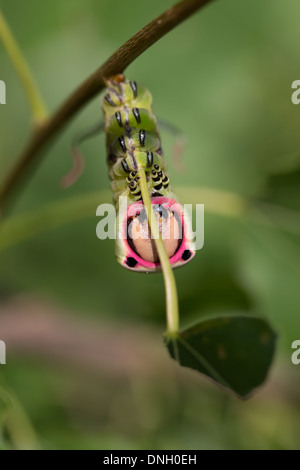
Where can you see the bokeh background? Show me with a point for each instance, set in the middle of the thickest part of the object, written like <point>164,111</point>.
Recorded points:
<point>86,366</point>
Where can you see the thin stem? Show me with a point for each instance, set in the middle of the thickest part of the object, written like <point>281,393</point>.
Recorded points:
<point>36,103</point>
<point>50,216</point>
<point>17,423</point>
<point>169,278</point>
<point>117,63</point>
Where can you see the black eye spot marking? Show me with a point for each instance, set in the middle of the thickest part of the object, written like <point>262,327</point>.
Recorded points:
<point>186,255</point>
<point>136,114</point>
<point>149,159</point>
<point>109,100</point>
<point>122,143</point>
<point>142,137</point>
<point>156,167</point>
<point>119,118</point>
<point>134,88</point>
<point>125,166</point>
<point>131,262</point>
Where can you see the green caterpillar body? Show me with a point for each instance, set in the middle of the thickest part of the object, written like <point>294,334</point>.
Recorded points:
<point>132,142</point>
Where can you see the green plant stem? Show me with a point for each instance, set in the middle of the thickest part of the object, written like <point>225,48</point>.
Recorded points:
<point>169,278</point>
<point>20,430</point>
<point>36,103</point>
<point>50,216</point>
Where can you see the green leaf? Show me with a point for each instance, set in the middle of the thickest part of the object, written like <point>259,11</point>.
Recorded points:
<point>236,351</point>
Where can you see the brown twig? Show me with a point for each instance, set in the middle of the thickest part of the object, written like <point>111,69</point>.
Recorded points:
<point>117,63</point>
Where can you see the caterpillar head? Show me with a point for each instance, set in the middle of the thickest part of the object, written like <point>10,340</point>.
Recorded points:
<point>135,249</point>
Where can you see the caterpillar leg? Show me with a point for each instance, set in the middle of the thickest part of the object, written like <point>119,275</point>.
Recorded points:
<point>78,160</point>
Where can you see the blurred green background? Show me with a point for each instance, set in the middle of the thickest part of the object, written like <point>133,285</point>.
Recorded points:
<point>85,358</point>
